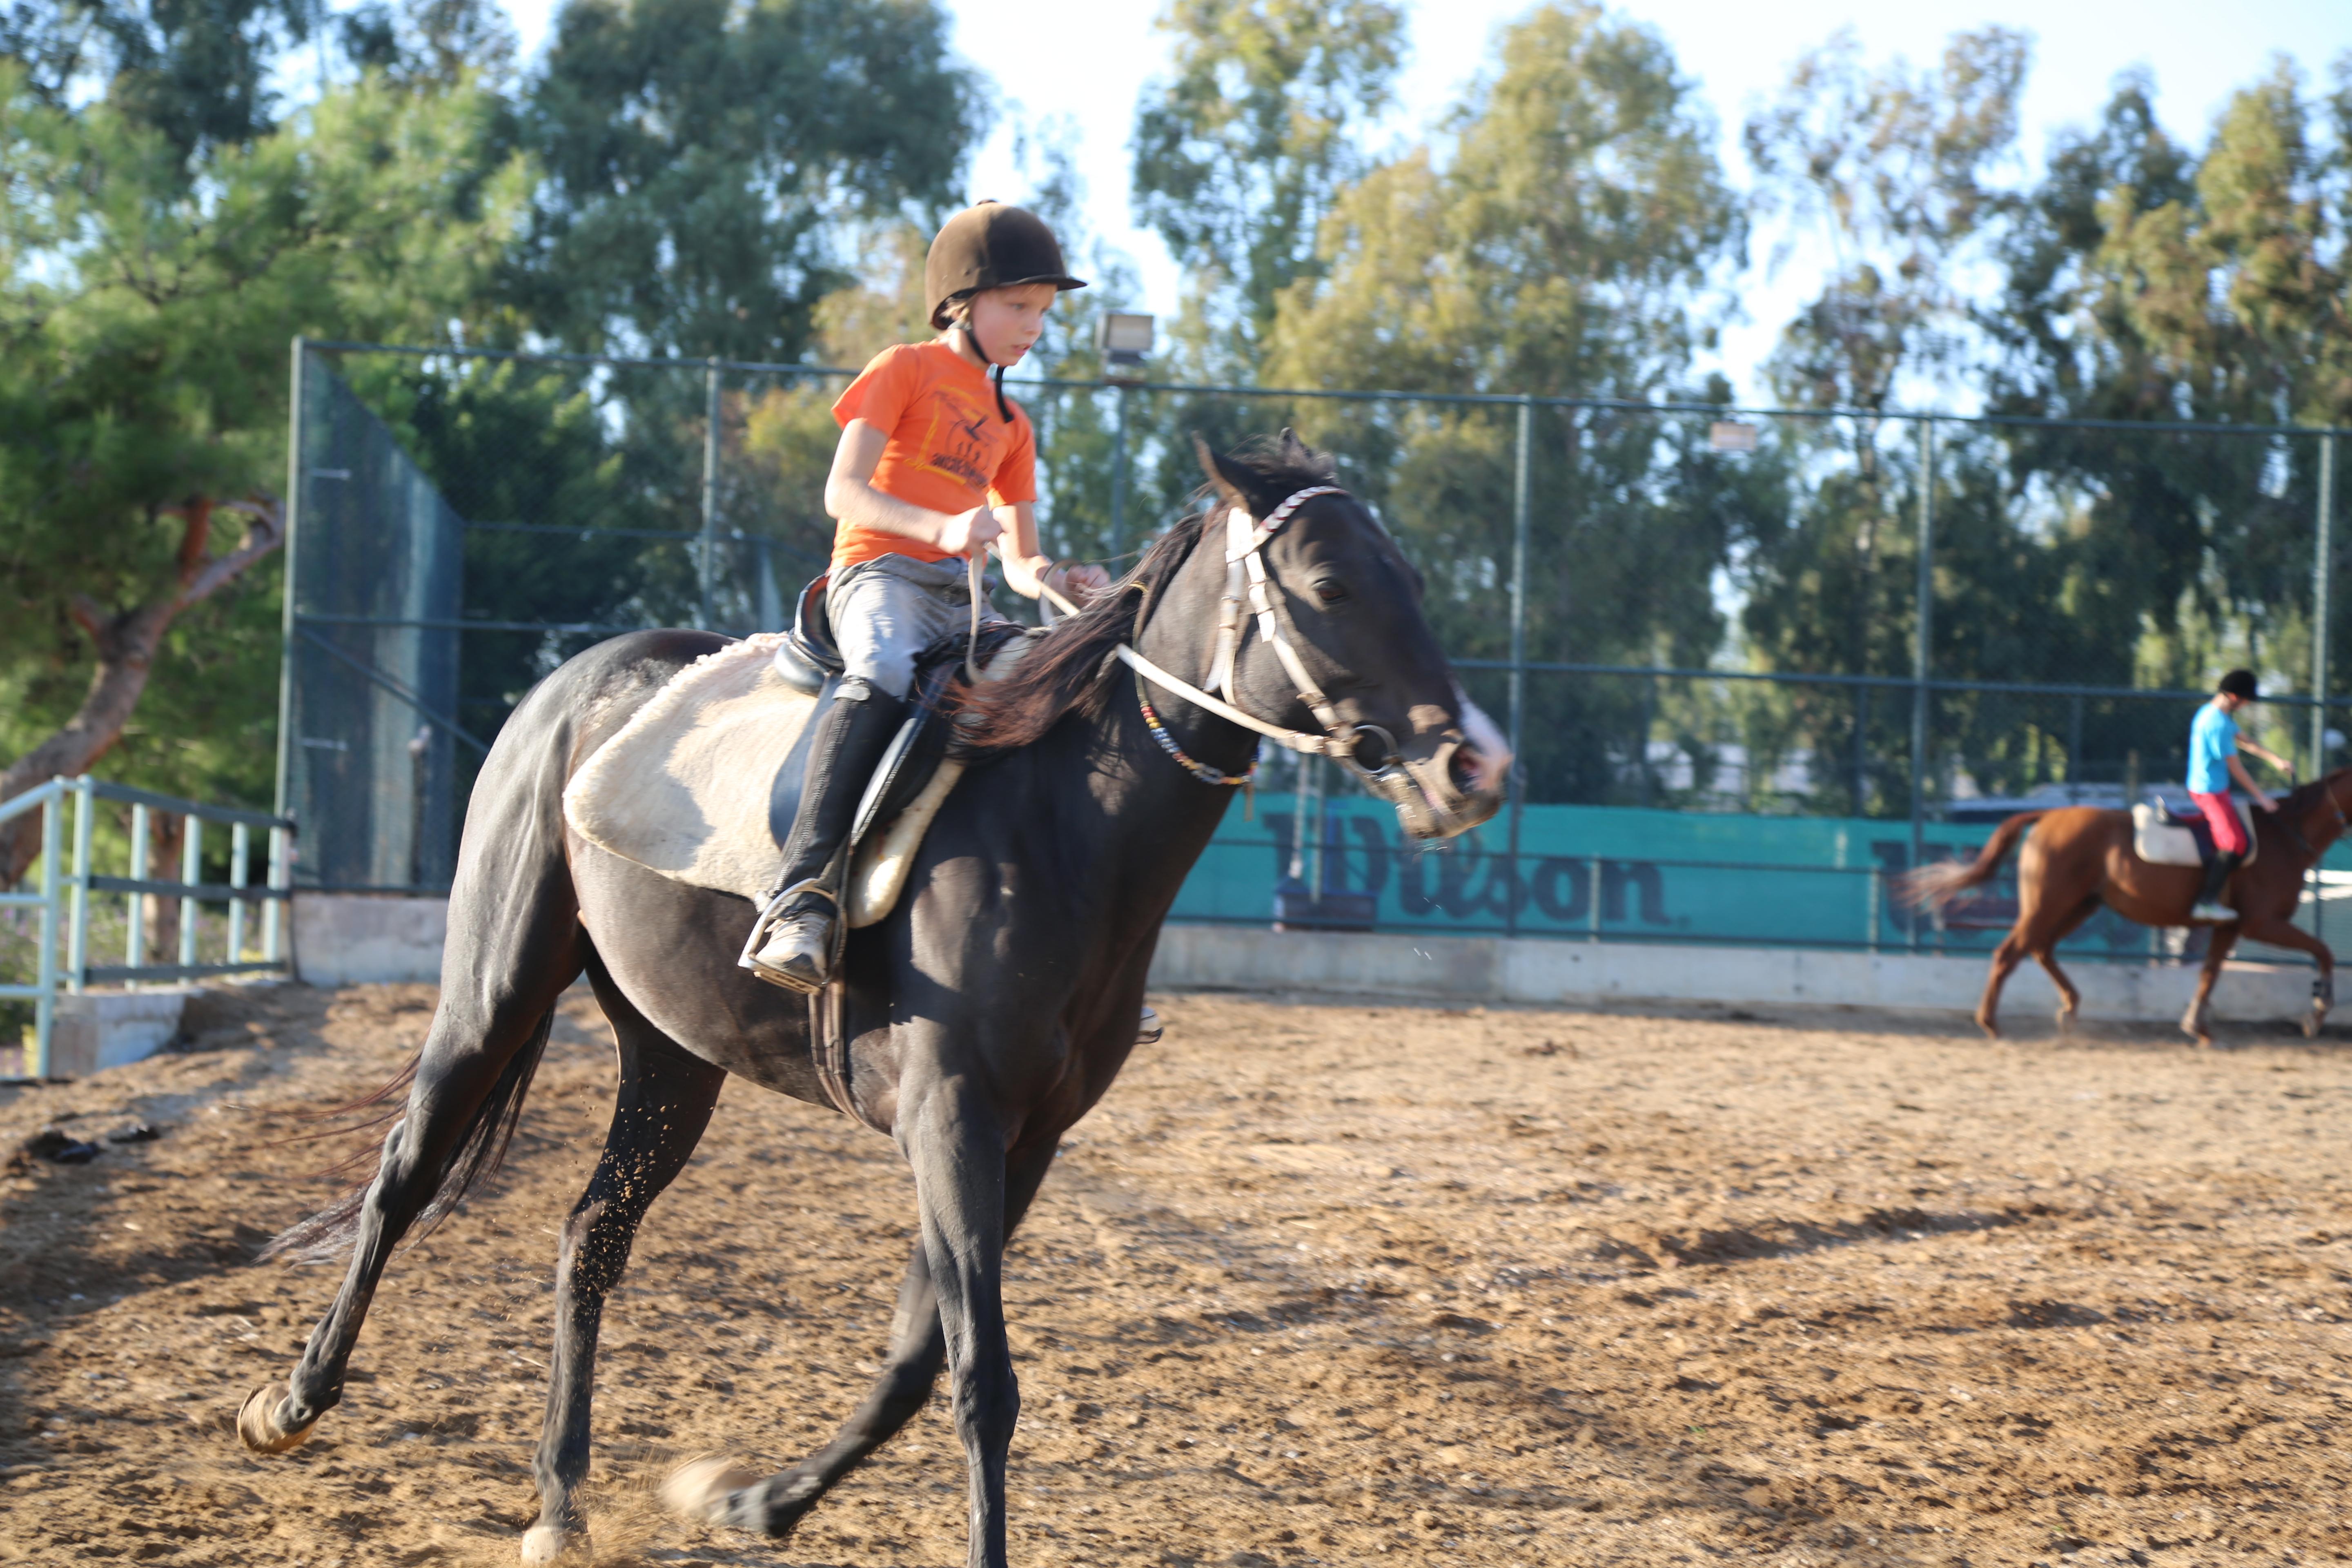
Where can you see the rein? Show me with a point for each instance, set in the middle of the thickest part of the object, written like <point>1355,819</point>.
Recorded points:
<point>1248,579</point>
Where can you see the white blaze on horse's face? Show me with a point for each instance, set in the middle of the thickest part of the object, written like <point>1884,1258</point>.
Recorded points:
<point>1491,752</point>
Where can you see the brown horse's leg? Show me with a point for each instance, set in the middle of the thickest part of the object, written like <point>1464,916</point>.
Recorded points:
<point>2046,953</point>
<point>2192,1022</point>
<point>2287,934</point>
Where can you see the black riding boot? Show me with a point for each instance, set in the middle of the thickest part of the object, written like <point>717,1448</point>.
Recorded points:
<point>2209,906</point>
<point>798,933</point>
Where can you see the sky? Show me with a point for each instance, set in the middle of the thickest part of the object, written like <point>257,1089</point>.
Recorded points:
<point>1087,60</point>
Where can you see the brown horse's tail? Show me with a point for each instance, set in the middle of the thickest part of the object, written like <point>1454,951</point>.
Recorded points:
<point>1935,885</point>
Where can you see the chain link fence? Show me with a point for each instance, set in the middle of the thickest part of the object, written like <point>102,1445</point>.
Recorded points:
<point>1686,608</point>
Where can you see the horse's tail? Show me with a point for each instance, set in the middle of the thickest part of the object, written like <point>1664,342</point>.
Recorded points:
<point>1939,883</point>
<point>514,944</point>
<point>481,1148</point>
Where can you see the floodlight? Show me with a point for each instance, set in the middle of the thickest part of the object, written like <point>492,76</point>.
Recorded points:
<point>1123,336</point>
<point>1731,436</point>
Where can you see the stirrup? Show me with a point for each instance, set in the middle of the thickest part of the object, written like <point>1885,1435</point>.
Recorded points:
<point>766,924</point>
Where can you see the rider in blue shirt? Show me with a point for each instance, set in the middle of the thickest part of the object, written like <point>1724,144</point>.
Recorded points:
<point>2214,747</point>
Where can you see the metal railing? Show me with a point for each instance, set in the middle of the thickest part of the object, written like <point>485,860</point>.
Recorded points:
<point>67,882</point>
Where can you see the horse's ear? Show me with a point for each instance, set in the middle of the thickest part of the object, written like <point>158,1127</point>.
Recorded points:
<point>1295,453</point>
<point>1228,489</point>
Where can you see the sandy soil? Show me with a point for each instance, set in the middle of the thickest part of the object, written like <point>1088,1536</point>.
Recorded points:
<point>1318,1284</point>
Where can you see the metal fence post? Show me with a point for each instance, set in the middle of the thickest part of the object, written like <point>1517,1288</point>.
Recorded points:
<point>44,1006</point>
<point>1923,645</point>
<point>192,868</point>
<point>275,912</point>
<point>240,844</point>
<point>2321,556</point>
<point>294,436</point>
<point>707,579</point>
<point>1119,470</point>
<point>1521,484</point>
<point>134,933</point>
<point>77,930</point>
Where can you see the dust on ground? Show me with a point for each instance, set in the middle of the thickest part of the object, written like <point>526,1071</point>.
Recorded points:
<point>1319,1283</point>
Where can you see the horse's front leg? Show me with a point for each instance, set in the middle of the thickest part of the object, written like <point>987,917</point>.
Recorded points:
<point>2285,932</point>
<point>2193,1022</point>
<point>955,1142</point>
<point>724,1491</point>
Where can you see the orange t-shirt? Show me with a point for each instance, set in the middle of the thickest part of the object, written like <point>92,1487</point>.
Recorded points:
<point>949,448</point>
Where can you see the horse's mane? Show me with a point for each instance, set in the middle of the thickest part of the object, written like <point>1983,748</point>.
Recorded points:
<point>1070,666</point>
<point>2303,797</point>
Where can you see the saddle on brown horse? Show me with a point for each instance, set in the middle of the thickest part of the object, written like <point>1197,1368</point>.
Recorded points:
<point>2163,837</point>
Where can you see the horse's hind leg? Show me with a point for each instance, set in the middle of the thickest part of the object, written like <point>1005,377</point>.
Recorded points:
<point>664,1104</point>
<point>2070,1001</point>
<point>511,954</point>
<point>719,1492</point>
<point>2005,958</point>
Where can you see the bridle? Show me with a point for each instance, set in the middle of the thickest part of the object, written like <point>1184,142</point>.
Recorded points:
<point>1248,580</point>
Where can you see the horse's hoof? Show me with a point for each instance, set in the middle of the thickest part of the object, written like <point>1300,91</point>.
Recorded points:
<point>2311,1022</point>
<point>2065,1021</point>
<point>553,1544</point>
<point>256,1421</point>
<point>702,1489</point>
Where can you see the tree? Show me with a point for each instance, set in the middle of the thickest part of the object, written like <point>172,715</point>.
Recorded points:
<point>195,71</point>
<point>143,321</point>
<point>705,160</point>
<point>1240,155</point>
<point>1561,249</point>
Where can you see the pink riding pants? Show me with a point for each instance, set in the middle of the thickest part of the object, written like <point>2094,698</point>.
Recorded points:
<point>2229,832</point>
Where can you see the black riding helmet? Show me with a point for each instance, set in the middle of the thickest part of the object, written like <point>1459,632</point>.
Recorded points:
<point>992,245</point>
<point>2240,683</point>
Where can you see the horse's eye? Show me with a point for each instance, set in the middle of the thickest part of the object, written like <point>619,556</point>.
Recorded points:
<point>1330,592</point>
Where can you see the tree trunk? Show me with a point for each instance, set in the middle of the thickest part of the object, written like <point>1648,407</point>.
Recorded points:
<point>126,642</point>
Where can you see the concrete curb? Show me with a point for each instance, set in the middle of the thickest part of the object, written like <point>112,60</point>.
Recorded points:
<point>342,938</point>
<point>1541,970</point>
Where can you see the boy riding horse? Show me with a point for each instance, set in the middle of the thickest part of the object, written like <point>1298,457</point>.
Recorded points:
<point>2214,747</point>
<point>934,464</point>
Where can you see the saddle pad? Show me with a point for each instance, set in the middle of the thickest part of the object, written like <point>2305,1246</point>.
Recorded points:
<point>2158,839</point>
<point>683,788</point>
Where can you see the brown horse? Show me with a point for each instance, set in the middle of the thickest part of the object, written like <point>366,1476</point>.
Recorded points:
<point>2080,857</point>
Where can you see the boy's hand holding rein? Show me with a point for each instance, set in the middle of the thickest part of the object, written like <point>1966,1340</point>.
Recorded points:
<point>966,531</point>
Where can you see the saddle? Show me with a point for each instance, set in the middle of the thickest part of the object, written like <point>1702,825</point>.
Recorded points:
<point>2165,837</point>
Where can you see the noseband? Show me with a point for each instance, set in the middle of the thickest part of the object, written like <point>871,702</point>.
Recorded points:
<point>1248,579</point>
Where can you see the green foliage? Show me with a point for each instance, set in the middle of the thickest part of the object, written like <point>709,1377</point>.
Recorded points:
<point>1244,150</point>
<point>1559,250</point>
<point>144,324</point>
<point>701,159</point>
<point>194,72</point>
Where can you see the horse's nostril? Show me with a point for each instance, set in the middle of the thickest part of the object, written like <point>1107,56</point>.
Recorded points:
<point>1462,770</point>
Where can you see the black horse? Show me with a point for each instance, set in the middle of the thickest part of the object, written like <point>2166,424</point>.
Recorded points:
<point>986,1014</point>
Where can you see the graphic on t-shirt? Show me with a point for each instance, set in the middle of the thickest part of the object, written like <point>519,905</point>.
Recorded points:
<point>957,447</point>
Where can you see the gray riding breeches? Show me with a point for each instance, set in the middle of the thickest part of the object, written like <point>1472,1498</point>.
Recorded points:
<point>889,609</point>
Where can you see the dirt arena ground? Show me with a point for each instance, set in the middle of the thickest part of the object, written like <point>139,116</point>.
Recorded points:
<point>1318,1284</point>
